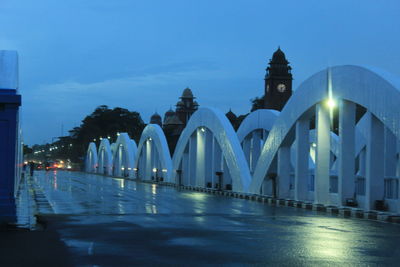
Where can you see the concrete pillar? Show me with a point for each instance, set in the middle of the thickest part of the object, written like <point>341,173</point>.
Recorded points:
<point>390,161</point>
<point>148,168</point>
<point>346,172</point>
<point>217,161</point>
<point>302,150</point>
<point>200,157</point>
<point>192,159</point>
<point>10,101</point>
<point>267,187</point>
<point>283,172</point>
<point>362,161</point>
<point>322,125</point>
<point>155,163</point>
<point>256,149</point>
<point>246,149</point>
<point>209,157</point>
<point>185,168</point>
<point>374,162</point>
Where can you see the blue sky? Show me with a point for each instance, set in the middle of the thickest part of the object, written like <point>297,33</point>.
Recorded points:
<point>76,55</point>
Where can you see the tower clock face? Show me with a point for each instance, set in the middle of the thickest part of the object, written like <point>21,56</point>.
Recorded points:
<point>281,87</point>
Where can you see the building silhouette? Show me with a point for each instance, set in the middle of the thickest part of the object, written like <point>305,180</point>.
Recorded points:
<point>175,121</point>
<point>278,82</point>
<point>156,119</point>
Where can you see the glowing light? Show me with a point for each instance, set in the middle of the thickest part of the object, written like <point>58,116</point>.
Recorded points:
<point>154,169</point>
<point>117,134</point>
<point>129,169</point>
<point>121,183</point>
<point>203,129</point>
<point>153,189</point>
<point>164,170</point>
<point>94,139</point>
<point>331,103</point>
<point>150,139</point>
<point>122,168</point>
<point>314,145</point>
<point>135,169</point>
<point>108,137</point>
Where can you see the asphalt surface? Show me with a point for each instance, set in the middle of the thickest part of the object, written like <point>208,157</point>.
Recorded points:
<point>114,222</point>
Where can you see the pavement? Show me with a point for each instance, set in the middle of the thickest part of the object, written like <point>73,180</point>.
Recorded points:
<point>92,220</point>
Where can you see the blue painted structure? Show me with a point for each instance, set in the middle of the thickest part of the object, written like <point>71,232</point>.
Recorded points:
<point>10,101</point>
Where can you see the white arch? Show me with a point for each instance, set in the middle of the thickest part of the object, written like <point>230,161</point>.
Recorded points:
<point>351,83</point>
<point>259,119</point>
<point>105,158</point>
<point>155,135</point>
<point>217,123</point>
<point>91,158</point>
<point>124,156</point>
<point>253,132</point>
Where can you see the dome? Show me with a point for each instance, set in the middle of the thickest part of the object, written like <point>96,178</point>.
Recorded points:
<point>156,119</point>
<point>187,93</point>
<point>169,113</point>
<point>279,57</point>
<point>180,103</point>
<point>155,116</point>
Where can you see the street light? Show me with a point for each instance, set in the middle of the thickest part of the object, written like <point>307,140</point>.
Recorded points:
<point>331,103</point>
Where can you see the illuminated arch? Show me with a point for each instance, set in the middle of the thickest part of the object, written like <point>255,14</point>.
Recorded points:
<point>253,132</point>
<point>259,119</point>
<point>376,91</point>
<point>91,158</point>
<point>216,126</point>
<point>153,156</point>
<point>105,158</point>
<point>124,156</point>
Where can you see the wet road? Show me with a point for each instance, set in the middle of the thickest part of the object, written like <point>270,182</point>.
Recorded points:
<point>115,222</point>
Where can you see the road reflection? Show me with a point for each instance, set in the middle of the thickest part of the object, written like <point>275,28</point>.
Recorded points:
<point>237,230</point>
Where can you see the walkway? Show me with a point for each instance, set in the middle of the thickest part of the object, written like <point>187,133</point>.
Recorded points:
<point>107,221</point>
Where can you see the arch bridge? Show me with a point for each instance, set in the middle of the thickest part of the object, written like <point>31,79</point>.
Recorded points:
<point>336,142</point>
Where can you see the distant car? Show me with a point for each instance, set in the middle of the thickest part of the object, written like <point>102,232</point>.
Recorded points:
<point>39,166</point>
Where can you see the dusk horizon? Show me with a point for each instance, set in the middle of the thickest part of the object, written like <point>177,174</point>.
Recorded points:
<point>140,56</point>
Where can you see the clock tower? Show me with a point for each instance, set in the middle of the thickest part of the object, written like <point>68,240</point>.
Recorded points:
<point>278,82</point>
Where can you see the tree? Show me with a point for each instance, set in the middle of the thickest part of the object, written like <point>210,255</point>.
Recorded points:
<point>26,149</point>
<point>103,123</point>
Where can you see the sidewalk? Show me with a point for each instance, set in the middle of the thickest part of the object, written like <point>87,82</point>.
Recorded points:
<point>31,243</point>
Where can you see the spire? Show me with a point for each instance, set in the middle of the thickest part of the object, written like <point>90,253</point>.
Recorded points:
<point>279,57</point>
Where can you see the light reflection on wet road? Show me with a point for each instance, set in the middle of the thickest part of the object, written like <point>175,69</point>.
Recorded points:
<point>118,222</point>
